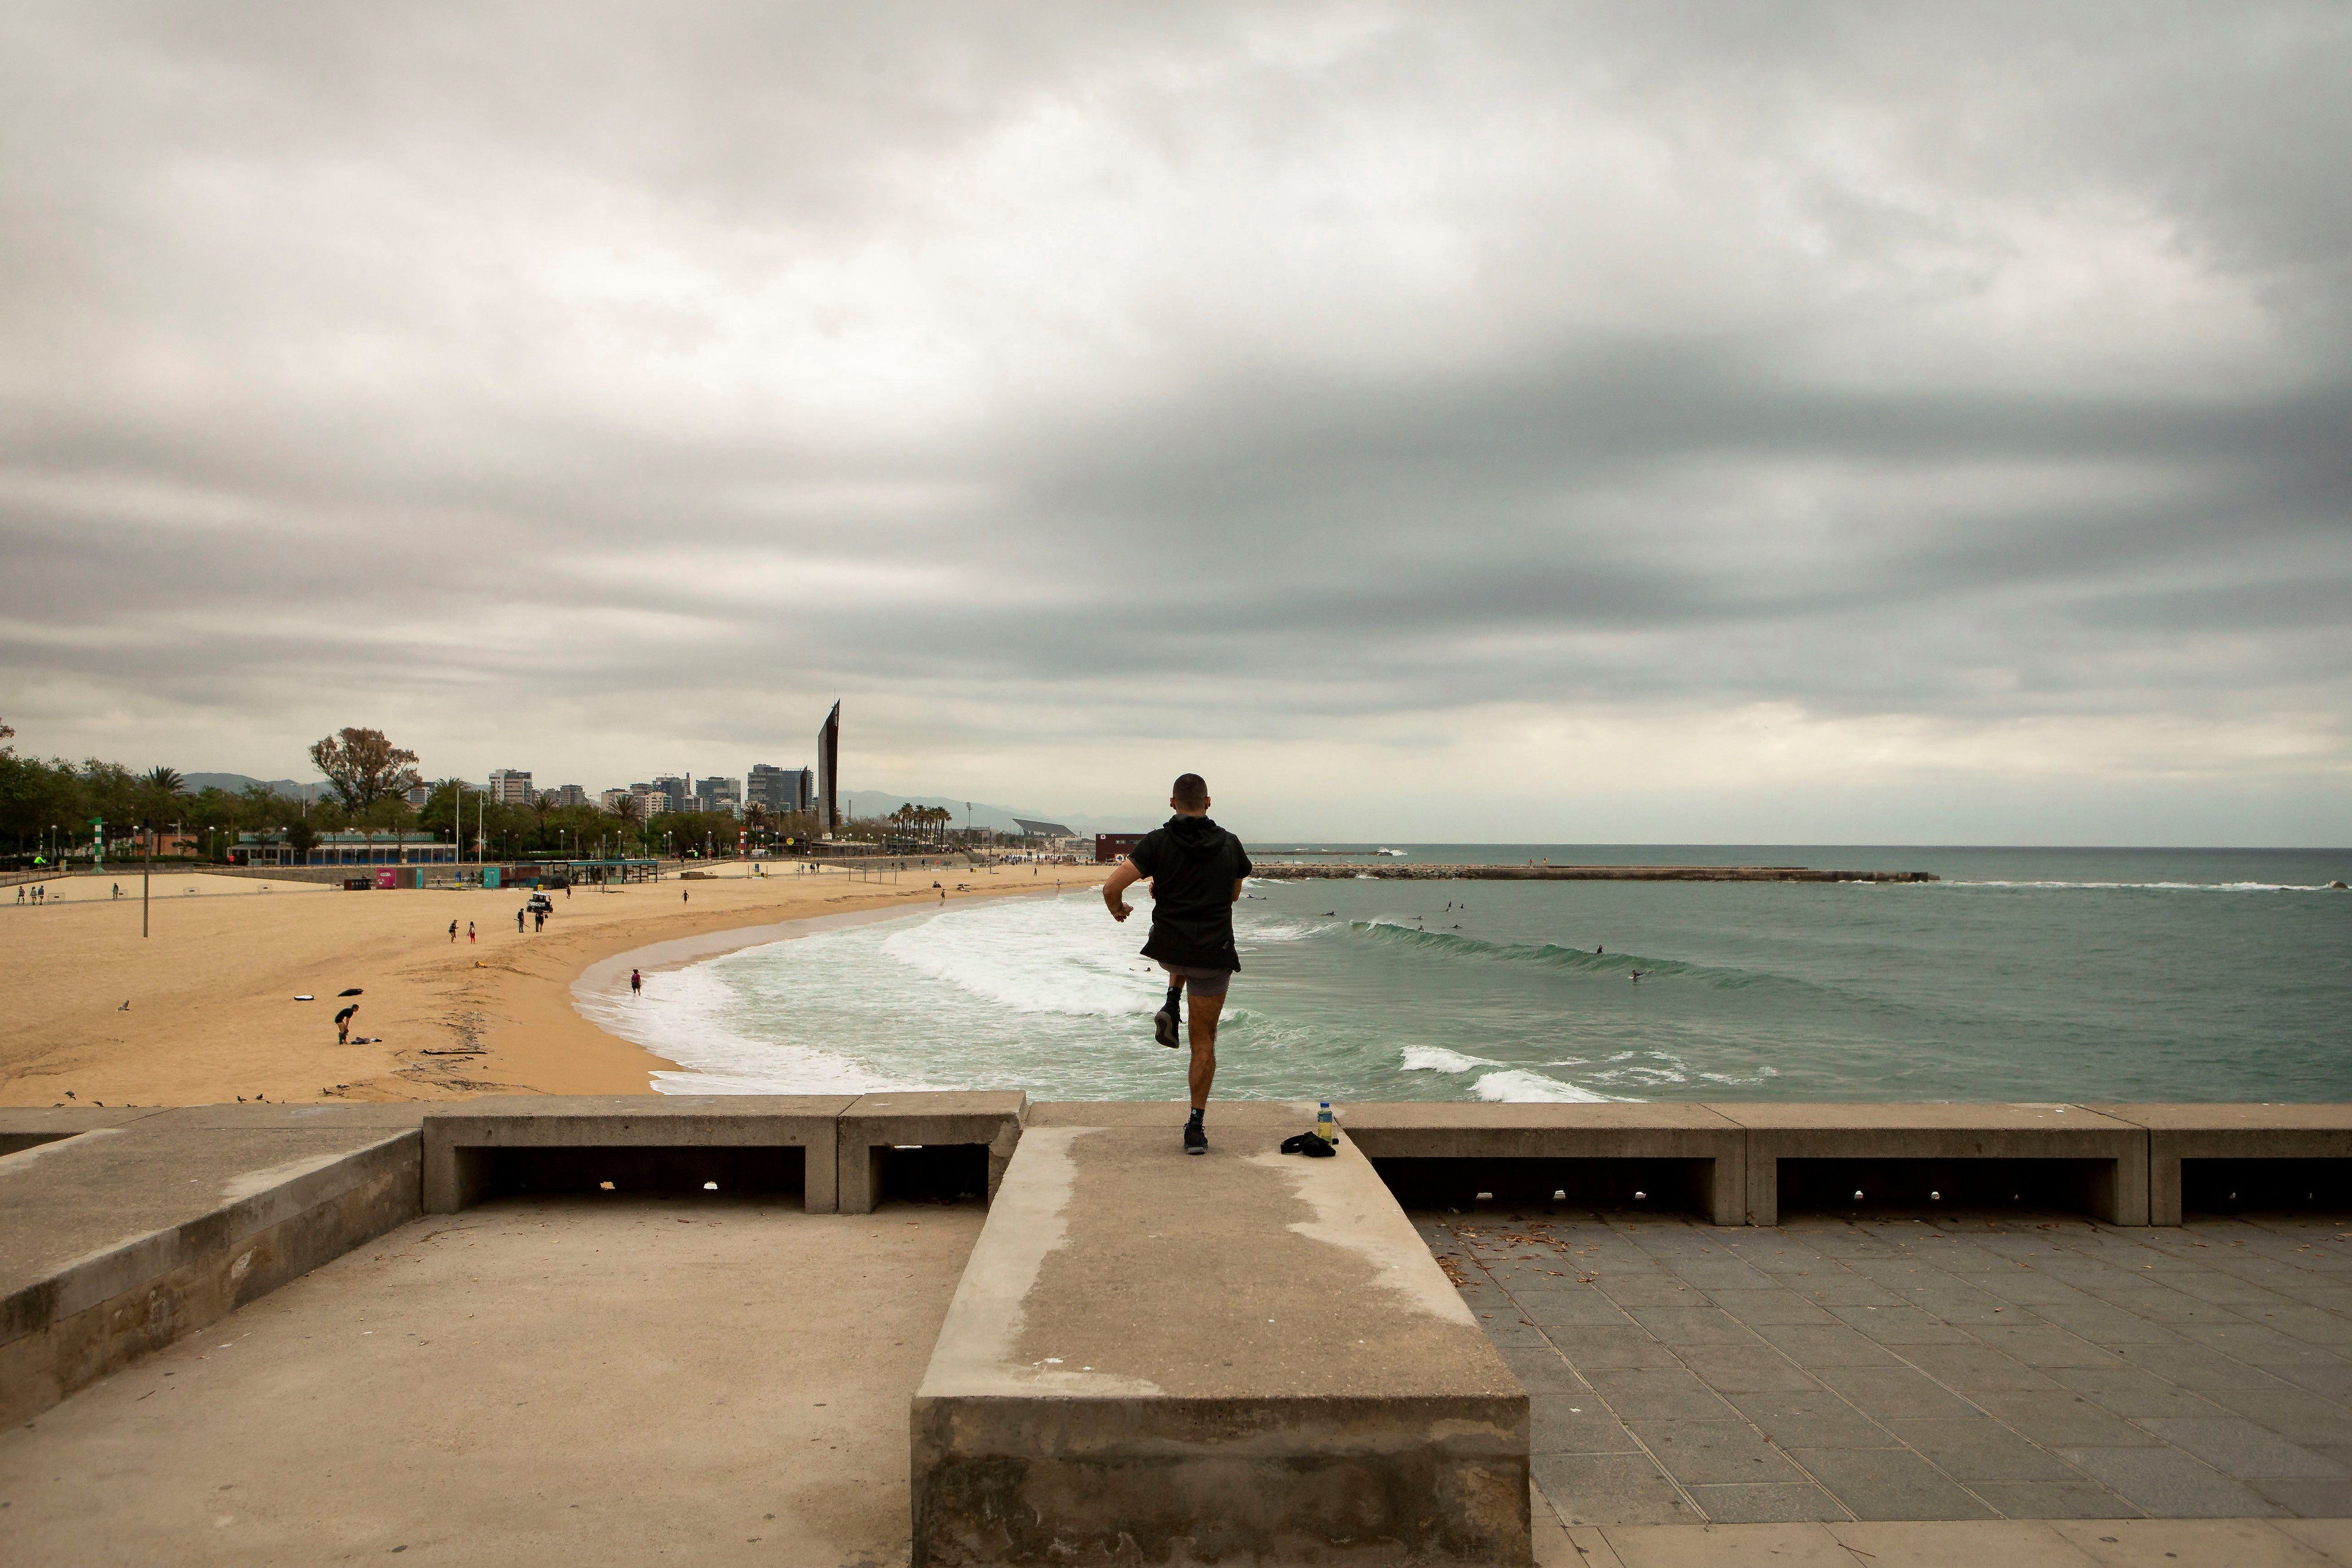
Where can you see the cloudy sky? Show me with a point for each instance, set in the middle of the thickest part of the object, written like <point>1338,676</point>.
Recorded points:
<point>1593,424</point>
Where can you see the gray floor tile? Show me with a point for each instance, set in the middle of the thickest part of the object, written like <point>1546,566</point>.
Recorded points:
<point>2331,1380</point>
<point>2194,1367</point>
<point>1741,1369</point>
<point>1589,1349</point>
<point>1639,1393</point>
<point>2294,1413</point>
<point>1816,1418</point>
<point>1982,1449</point>
<point>2328,1496</point>
<point>1770,1306</point>
<point>1963,1306</point>
<point>2044,1345</point>
<point>1896,1393</point>
<point>1576,1423</point>
<point>1902,1324</point>
<point>1717,1453</point>
<point>2104,1324</point>
<point>1713,1274</point>
<point>2169,1484</point>
<point>2026,1287</point>
<point>1826,1345</point>
<point>1543,1370</point>
<point>1609,1489</point>
<point>1580,1307</point>
<point>2076,1499</point>
<point>2062,1419</point>
<point>2312,1325</point>
<point>1888,1483</point>
<point>1509,1330</point>
<point>1788,1503</point>
<point>1969,1367</point>
<point>2133,1392</point>
<point>1849,1290</point>
<point>1649,1290</point>
<point>2169,1307</point>
<point>2236,1447</point>
<point>2212,1285</point>
<point>1693,1326</point>
<point>2253,1343</point>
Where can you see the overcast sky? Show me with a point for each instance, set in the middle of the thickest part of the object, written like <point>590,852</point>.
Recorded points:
<point>1552,423</point>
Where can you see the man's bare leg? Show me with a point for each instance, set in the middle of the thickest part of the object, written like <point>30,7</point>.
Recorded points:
<point>1202,1024</point>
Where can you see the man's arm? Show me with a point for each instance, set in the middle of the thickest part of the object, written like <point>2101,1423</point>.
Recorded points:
<point>1118,881</point>
<point>1237,889</point>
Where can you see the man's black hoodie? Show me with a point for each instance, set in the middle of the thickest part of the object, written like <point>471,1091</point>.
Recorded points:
<point>1192,864</point>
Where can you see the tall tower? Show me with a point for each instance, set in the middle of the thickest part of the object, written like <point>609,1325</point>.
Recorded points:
<point>828,772</point>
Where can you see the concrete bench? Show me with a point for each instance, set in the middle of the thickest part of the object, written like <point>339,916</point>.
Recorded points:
<point>966,1137</point>
<point>1676,1155</point>
<point>1247,1357</point>
<point>122,1237</point>
<point>552,1143</point>
<point>2068,1156</point>
<point>2269,1152</point>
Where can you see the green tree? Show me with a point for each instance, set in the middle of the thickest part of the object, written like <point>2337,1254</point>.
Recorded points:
<point>362,767</point>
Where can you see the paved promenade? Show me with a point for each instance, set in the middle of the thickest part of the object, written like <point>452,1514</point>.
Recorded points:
<point>2037,1367</point>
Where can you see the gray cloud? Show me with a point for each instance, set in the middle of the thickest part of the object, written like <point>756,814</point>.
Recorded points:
<point>604,385</point>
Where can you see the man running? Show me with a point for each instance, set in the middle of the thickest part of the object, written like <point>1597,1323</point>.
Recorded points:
<point>1196,870</point>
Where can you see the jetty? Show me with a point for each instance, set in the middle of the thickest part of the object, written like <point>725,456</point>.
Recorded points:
<point>1394,871</point>
<point>965,1328</point>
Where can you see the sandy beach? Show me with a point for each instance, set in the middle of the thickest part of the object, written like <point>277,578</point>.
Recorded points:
<point>212,1014</point>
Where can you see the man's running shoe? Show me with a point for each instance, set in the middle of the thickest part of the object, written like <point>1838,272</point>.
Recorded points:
<point>1196,1141</point>
<point>1163,1026</point>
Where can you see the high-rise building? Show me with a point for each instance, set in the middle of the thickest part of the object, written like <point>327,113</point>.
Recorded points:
<point>511,786</point>
<point>719,795</point>
<point>677,793</point>
<point>652,799</point>
<point>570,795</point>
<point>611,799</point>
<point>828,772</point>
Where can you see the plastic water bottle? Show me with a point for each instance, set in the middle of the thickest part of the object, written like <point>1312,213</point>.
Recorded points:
<point>1323,1127</point>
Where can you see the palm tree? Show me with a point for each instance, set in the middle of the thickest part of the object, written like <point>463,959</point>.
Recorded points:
<point>632,813</point>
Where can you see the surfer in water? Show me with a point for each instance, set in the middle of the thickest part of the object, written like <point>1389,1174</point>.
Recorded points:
<point>1636,975</point>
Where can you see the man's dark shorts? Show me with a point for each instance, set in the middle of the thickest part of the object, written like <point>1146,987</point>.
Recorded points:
<point>1200,982</point>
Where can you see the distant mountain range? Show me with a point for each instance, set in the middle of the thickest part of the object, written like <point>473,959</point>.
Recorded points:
<point>235,782</point>
<point>985,814</point>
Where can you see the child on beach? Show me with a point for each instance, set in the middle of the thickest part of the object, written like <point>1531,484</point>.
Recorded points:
<point>470,932</point>
<point>637,983</point>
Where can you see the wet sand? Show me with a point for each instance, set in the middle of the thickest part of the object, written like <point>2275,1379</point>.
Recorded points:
<point>212,1015</point>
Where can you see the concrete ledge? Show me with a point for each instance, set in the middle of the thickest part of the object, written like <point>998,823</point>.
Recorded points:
<point>2113,1154</point>
<point>1245,1358</point>
<point>125,1239</point>
<point>28,1127</point>
<point>2252,1134</point>
<point>875,1125</point>
<point>1630,1135</point>
<point>461,1142</point>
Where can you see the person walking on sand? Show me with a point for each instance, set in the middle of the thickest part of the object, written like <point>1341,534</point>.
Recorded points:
<point>452,931</point>
<point>1196,869</point>
<point>470,932</point>
<point>637,983</point>
<point>519,922</point>
<point>343,1024</point>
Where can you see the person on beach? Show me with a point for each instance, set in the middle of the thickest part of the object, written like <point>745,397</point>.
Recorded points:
<point>452,931</point>
<point>343,1024</point>
<point>637,983</point>
<point>470,932</point>
<point>1196,869</point>
<point>519,922</point>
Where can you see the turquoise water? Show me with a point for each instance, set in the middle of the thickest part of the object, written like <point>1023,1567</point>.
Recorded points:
<point>2024,975</point>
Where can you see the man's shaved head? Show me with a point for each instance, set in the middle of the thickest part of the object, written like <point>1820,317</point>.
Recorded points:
<point>1191,790</point>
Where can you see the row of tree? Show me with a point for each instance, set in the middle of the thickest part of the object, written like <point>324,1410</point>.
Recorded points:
<point>50,809</point>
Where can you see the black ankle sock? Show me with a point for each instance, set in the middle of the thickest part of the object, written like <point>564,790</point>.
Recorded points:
<point>1198,1112</point>
<point>1175,994</point>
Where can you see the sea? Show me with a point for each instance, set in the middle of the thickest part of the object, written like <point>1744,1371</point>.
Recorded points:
<point>2022,974</point>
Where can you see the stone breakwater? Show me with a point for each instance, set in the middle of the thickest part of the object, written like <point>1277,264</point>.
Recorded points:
<point>1308,871</point>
